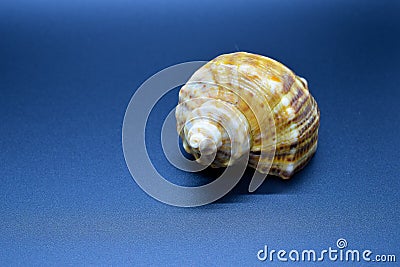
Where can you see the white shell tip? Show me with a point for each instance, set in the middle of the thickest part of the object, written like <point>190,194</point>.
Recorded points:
<point>304,81</point>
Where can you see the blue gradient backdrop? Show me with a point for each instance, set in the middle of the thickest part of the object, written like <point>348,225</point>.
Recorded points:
<point>68,70</point>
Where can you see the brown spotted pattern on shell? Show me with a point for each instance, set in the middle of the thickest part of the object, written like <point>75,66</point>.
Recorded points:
<point>264,104</point>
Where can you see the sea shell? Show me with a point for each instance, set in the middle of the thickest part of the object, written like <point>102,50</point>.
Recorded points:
<point>242,103</point>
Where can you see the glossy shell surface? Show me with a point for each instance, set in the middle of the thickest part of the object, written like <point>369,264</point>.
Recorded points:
<point>246,103</point>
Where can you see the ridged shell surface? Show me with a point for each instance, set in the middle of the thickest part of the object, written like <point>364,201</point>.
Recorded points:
<point>243,102</point>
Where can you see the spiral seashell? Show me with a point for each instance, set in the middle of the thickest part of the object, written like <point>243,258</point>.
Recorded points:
<point>267,107</point>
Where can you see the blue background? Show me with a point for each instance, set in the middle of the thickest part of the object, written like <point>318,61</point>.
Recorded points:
<point>68,70</point>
